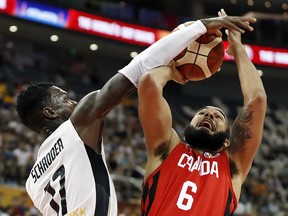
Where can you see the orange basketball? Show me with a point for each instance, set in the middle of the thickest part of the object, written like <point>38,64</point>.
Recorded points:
<point>202,58</point>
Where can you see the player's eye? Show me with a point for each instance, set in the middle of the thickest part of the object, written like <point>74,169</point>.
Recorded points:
<point>219,116</point>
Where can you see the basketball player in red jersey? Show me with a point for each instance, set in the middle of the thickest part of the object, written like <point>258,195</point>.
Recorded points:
<point>204,175</point>
<point>70,176</point>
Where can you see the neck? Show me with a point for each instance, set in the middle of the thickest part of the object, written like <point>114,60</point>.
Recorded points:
<point>47,131</point>
<point>200,151</point>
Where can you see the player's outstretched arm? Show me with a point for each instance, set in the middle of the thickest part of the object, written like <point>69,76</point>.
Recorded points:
<point>247,129</point>
<point>97,104</point>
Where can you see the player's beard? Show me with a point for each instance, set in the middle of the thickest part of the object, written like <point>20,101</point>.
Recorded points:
<point>201,140</point>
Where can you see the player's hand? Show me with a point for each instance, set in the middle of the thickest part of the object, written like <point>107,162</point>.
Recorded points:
<point>176,76</point>
<point>234,41</point>
<point>236,23</point>
<point>234,37</point>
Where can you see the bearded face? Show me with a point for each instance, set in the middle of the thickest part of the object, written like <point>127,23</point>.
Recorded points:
<point>202,139</point>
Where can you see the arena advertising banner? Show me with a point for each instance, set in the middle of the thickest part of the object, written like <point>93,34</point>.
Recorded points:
<point>7,6</point>
<point>111,28</point>
<point>83,22</point>
<point>45,14</point>
<point>267,56</point>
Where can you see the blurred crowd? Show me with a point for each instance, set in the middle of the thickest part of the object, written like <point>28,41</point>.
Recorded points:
<point>265,191</point>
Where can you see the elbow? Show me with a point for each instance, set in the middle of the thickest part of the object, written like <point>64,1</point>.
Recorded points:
<point>147,87</point>
<point>259,99</point>
<point>146,81</point>
<point>155,79</point>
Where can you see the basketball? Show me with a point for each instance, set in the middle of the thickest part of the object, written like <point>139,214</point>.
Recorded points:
<point>202,58</point>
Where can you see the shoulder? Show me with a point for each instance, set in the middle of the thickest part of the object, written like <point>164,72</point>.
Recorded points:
<point>87,98</point>
<point>85,106</point>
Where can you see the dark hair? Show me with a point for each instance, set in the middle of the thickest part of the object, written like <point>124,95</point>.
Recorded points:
<point>220,110</point>
<point>31,101</point>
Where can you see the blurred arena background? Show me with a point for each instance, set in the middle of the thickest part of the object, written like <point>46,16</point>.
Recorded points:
<point>80,44</point>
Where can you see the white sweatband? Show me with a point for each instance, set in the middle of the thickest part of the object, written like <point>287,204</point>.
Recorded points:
<point>181,26</point>
<point>162,51</point>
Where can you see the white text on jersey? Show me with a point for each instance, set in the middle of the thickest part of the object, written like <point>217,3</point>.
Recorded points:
<point>203,167</point>
<point>47,160</point>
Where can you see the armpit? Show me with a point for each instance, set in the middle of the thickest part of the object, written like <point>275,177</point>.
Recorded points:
<point>162,151</point>
<point>233,168</point>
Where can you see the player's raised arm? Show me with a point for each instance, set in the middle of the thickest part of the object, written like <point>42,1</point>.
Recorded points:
<point>154,112</point>
<point>247,129</point>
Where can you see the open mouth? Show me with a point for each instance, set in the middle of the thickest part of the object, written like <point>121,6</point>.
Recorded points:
<point>208,124</point>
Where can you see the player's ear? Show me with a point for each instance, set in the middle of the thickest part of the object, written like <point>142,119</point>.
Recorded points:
<point>226,143</point>
<point>49,112</point>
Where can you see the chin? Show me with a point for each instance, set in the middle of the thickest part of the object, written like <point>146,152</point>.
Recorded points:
<point>204,139</point>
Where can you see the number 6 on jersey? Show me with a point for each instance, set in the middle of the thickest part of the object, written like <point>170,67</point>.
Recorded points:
<point>185,199</point>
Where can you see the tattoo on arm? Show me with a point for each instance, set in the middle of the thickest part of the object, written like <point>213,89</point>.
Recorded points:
<point>240,130</point>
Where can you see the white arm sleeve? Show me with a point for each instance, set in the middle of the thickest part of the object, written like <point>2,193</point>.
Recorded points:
<point>162,51</point>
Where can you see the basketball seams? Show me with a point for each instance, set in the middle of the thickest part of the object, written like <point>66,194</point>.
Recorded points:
<point>208,47</point>
<point>202,58</point>
<point>195,60</point>
<point>211,57</point>
<point>190,55</point>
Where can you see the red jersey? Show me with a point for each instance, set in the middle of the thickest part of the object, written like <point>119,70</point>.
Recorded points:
<point>190,183</point>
